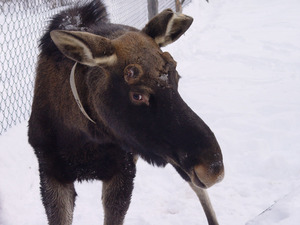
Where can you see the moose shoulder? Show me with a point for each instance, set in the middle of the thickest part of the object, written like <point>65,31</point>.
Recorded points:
<point>105,94</point>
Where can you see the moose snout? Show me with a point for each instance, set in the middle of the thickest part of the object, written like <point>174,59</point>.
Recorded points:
<point>207,175</point>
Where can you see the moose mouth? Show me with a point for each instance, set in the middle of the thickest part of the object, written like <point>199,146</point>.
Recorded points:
<point>192,176</point>
<point>200,175</point>
<point>196,180</point>
<point>206,177</point>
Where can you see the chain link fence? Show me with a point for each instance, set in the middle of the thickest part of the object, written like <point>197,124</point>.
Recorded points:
<point>22,23</point>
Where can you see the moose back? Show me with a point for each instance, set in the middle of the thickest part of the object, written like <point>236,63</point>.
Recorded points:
<point>106,94</point>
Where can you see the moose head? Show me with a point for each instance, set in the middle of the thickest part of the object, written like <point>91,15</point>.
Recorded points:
<point>129,90</point>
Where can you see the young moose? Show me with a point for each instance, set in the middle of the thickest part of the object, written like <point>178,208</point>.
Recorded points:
<point>105,94</point>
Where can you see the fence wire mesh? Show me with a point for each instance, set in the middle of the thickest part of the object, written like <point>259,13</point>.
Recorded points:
<point>22,23</point>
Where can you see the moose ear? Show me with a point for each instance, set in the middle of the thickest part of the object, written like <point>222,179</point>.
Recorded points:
<point>167,27</point>
<point>84,47</point>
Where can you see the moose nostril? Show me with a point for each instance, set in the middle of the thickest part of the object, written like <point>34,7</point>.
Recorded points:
<point>216,167</point>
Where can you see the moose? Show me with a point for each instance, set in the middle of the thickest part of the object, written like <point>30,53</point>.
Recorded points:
<point>106,94</point>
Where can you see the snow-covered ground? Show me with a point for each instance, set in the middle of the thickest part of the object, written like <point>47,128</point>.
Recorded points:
<point>240,68</point>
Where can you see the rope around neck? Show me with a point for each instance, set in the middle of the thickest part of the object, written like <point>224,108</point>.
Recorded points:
<point>75,93</point>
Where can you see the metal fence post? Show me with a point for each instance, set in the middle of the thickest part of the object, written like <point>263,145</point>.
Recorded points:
<point>152,8</point>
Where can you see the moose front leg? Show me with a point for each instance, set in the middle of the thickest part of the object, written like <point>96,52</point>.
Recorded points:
<point>206,204</point>
<point>116,195</point>
<point>58,199</point>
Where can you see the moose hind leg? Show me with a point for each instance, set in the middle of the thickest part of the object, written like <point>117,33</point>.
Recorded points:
<point>58,199</point>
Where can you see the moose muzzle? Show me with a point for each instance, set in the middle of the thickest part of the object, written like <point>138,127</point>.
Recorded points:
<point>205,176</point>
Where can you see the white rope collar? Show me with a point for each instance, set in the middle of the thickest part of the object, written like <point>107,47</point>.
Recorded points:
<point>75,93</point>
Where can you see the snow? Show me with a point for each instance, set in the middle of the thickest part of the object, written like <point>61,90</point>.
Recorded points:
<point>280,212</point>
<point>240,68</point>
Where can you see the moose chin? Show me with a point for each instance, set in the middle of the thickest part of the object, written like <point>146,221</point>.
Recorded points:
<point>106,94</point>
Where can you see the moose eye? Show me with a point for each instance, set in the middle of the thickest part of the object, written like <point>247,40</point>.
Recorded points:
<point>138,98</point>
